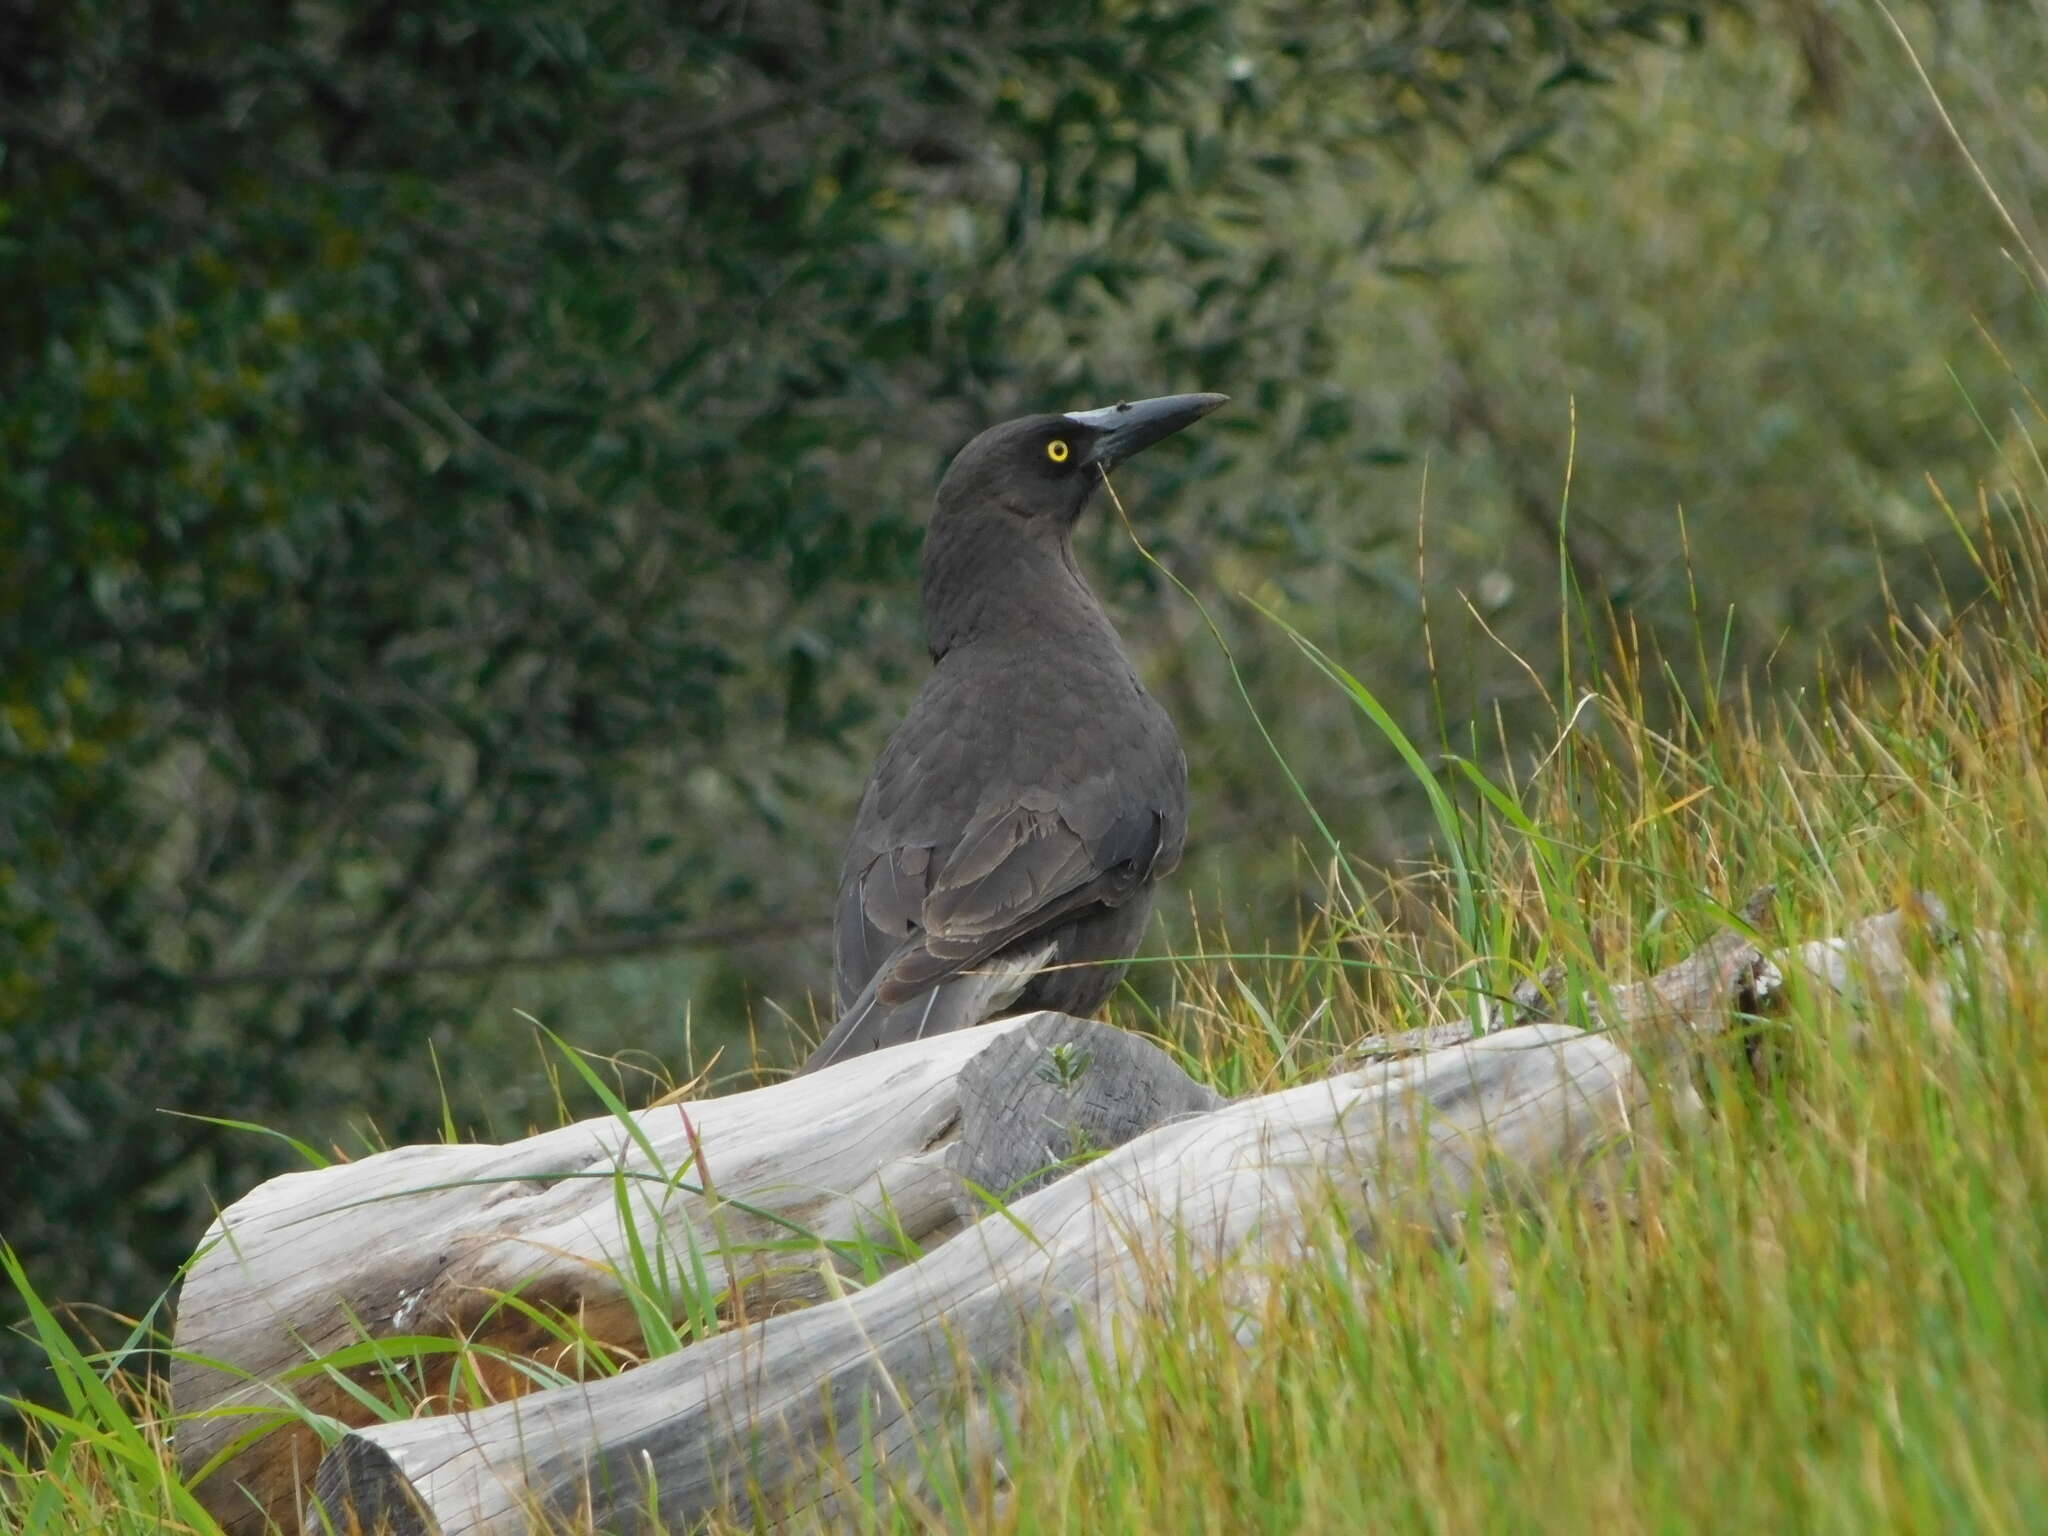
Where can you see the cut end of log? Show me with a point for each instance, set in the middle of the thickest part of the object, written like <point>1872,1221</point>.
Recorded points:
<point>1056,1090</point>
<point>360,1492</point>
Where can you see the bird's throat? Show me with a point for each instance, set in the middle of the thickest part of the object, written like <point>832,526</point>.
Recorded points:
<point>995,579</point>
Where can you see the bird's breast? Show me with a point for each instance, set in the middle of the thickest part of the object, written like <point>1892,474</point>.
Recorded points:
<point>989,718</point>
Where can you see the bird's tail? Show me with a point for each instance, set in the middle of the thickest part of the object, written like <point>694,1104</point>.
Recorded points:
<point>964,999</point>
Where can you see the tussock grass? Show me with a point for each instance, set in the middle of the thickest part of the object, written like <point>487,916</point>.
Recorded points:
<point>1820,1310</point>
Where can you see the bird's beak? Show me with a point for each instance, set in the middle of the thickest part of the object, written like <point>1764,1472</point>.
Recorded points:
<point>1130,427</point>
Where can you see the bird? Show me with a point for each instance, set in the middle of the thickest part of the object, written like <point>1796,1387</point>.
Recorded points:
<point>1006,847</point>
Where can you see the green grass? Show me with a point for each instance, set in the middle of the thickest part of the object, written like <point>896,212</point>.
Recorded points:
<point>1818,1311</point>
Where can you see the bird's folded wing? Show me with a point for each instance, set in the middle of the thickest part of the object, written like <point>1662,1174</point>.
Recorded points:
<point>1007,866</point>
<point>1015,872</point>
<point>881,904</point>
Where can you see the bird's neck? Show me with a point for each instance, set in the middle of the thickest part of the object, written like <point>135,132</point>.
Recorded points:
<point>993,580</point>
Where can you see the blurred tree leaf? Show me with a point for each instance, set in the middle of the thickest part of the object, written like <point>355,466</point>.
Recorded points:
<point>449,456</point>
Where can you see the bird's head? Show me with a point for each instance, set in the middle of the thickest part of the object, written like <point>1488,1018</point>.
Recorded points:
<point>1044,468</point>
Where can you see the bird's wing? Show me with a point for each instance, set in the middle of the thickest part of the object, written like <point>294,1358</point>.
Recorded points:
<point>1009,863</point>
<point>1016,871</point>
<point>881,905</point>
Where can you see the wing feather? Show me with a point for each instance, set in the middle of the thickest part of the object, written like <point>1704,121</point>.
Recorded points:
<point>881,904</point>
<point>1024,871</point>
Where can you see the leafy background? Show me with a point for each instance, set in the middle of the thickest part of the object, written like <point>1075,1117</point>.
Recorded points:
<point>462,469</point>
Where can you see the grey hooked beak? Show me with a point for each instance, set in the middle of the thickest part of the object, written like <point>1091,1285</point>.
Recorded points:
<point>1132,426</point>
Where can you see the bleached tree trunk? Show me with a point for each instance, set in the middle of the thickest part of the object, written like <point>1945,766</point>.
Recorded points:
<point>878,1154</point>
<point>697,1431</point>
<point>768,1410</point>
<point>896,1142</point>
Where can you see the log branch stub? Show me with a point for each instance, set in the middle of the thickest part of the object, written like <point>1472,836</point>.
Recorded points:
<point>1880,958</point>
<point>1726,976</point>
<point>1056,1090</point>
<point>360,1477</point>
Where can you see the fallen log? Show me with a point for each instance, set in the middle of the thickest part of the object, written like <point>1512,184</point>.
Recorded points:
<point>771,1189</point>
<point>902,1144</point>
<point>765,1413</point>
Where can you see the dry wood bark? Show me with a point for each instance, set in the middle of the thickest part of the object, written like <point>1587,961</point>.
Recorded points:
<point>766,1411</point>
<point>768,1407</point>
<point>424,1240</point>
<point>763,1409</point>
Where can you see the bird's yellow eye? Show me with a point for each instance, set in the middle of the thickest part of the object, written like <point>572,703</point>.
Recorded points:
<point>1057,450</point>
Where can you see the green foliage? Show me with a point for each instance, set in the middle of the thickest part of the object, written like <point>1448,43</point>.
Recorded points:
<point>460,470</point>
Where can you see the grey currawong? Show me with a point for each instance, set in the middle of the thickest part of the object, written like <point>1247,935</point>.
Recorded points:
<point>1005,851</point>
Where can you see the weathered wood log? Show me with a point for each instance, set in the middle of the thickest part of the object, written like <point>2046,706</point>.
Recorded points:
<point>1883,960</point>
<point>1688,988</point>
<point>764,1412</point>
<point>902,1142</point>
<point>885,1150</point>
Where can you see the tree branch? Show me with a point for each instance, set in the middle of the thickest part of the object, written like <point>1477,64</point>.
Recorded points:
<point>623,946</point>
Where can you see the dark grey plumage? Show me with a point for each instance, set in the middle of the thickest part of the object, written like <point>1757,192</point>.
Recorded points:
<point>1005,851</point>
